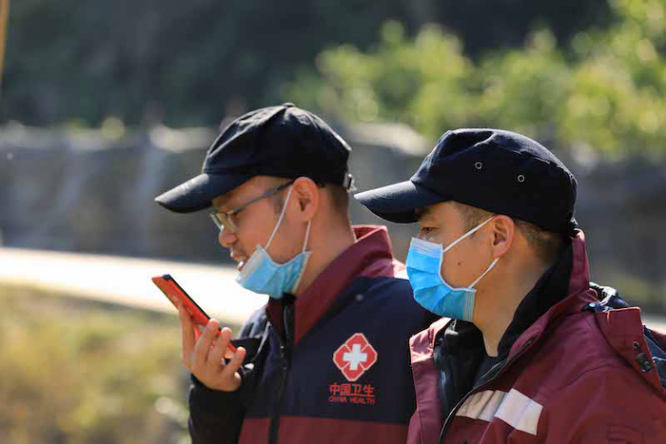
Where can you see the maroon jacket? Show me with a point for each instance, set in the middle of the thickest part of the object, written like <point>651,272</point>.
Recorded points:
<point>577,373</point>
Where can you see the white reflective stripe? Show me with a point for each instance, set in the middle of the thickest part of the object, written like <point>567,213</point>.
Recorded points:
<point>482,405</point>
<point>514,408</point>
<point>520,412</point>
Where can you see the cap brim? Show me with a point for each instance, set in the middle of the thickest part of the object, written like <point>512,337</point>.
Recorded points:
<point>396,203</point>
<point>196,194</point>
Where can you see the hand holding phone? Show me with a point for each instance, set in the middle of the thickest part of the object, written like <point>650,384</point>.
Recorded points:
<point>175,293</point>
<point>210,356</point>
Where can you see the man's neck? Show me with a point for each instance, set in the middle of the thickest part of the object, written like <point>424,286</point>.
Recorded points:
<point>327,244</point>
<point>497,303</point>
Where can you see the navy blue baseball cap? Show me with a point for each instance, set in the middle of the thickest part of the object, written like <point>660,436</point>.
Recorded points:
<point>495,170</point>
<point>282,141</point>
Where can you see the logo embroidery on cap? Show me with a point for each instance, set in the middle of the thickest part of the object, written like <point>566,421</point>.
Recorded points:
<point>355,357</point>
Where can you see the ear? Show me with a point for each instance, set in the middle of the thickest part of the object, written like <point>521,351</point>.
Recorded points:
<point>503,231</point>
<point>306,198</point>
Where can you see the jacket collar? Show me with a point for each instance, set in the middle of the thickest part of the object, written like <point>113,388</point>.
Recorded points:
<point>622,327</point>
<point>571,276</point>
<point>644,351</point>
<point>370,256</point>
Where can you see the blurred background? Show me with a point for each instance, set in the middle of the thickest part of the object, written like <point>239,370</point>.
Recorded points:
<point>105,105</point>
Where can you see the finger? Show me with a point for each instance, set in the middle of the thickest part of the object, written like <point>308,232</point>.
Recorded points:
<point>202,347</point>
<point>235,363</point>
<point>187,335</point>
<point>229,348</point>
<point>218,350</point>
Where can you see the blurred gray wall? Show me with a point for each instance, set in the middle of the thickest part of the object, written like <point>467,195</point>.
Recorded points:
<point>93,191</point>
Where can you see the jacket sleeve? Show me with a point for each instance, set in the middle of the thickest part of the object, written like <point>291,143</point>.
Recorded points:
<point>216,416</point>
<point>609,404</point>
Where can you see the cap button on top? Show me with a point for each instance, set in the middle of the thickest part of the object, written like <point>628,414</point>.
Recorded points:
<point>288,105</point>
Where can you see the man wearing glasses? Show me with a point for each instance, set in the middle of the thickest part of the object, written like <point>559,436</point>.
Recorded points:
<point>327,359</point>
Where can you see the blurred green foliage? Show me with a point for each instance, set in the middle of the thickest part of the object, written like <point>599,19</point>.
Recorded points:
<point>195,62</point>
<point>75,373</point>
<point>604,92</point>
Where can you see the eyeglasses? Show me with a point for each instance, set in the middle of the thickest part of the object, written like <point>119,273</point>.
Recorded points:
<point>224,220</point>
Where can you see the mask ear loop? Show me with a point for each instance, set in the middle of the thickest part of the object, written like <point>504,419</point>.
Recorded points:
<point>466,235</point>
<point>484,273</point>
<point>307,236</point>
<point>453,244</point>
<point>300,275</point>
<point>284,209</point>
<point>491,265</point>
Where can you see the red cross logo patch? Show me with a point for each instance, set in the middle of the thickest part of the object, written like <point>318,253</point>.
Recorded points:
<point>355,357</point>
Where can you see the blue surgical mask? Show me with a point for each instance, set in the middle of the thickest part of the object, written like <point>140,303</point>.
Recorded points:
<point>424,264</point>
<point>263,275</point>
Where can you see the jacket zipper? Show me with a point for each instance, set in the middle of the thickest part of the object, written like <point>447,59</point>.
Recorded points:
<point>285,360</point>
<point>481,383</point>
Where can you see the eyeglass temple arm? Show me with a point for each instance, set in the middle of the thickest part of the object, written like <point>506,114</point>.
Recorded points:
<point>270,193</point>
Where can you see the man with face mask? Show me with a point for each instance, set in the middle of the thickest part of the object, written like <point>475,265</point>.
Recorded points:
<point>527,350</point>
<point>327,359</point>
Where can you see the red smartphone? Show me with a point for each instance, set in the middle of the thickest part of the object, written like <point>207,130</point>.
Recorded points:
<point>177,295</point>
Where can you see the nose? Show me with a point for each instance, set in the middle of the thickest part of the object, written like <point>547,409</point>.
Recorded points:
<point>226,238</point>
